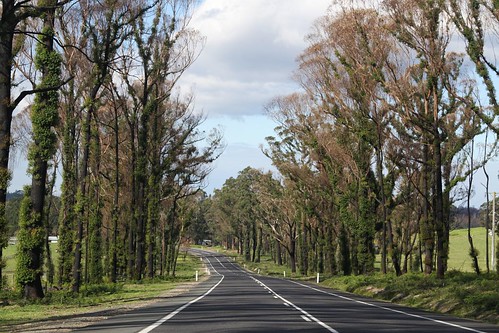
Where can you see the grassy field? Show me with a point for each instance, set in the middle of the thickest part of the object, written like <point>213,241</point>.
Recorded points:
<point>459,258</point>
<point>9,254</point>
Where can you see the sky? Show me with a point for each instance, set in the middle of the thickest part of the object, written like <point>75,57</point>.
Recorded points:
<point>249,58</point>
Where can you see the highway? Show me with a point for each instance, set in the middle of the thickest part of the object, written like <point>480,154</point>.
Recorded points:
<point>234,300</point>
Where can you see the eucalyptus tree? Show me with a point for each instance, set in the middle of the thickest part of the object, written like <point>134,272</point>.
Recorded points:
<point>236,204</point>
<point>162,48</point>
<point>107,25</point>
<point>477,22</point>
<point>185,155</point>
<point>72,98</point>
<point>439,109</point>
<point>355,45</point>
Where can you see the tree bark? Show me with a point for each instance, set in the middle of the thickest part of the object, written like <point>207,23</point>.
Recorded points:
<point>8,23</point>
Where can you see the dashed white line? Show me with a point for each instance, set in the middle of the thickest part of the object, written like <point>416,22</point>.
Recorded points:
<point>306,318</point>
<point>305,313</point>
<point>220,262</point>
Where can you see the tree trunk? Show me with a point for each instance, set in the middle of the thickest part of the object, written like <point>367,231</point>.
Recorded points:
<point>260,244</point>
<point>278,252</point>
<point>427,232</point>
<point>8,23</point>
<point>439,204</point>
<point>44,115</point>
<point>292,255</point>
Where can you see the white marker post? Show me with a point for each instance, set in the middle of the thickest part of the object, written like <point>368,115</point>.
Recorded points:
<point>284,273</point>
<point>197,276</point>
<point>318,278</point>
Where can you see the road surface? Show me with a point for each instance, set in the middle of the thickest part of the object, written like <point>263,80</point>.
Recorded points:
<point>233,300</point>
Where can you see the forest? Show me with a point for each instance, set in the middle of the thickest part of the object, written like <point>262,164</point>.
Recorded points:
<point>106,111</point>
<point>396,112</point>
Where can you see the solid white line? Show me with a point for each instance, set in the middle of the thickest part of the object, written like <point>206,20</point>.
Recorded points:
<point>305,313</point>
<point>172,314</point>
<point>389,309</point>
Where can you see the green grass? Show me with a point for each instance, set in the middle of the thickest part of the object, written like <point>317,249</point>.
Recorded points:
<point>460,294</point>
<point>459,247</point>
<point>9,255</point>
<point>92,298</point>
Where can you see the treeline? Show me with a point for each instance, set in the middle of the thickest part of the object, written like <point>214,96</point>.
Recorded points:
<point>379,143</point>
<point>106,113</point>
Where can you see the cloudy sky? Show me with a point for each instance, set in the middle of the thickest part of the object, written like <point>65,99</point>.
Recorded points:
<point>249,58</point>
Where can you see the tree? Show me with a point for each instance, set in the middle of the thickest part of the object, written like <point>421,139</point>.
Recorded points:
<point>44,117</point>
<point>13,14</point>
<point>107,27</point>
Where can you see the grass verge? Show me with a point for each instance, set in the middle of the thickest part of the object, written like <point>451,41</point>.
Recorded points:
<point>93,298</point>
<point>460,294</point>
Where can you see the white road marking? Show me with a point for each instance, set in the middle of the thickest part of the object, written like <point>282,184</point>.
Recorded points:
<point>305,313</point>
<point>172,314</point>
<point>220,262</point>
<point>306,318</point>
<point>389,309</point>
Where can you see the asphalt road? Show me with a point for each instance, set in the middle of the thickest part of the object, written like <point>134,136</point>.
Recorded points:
<point>233,300</point>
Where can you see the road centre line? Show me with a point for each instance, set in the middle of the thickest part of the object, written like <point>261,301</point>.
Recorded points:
<point>389,309</point>
<point>172,314</point>
<point>220,262</point>
<point>305,313</point>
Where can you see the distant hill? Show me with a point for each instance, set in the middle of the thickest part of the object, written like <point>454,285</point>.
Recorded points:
<point>459,218</point>
<point>16,195</point>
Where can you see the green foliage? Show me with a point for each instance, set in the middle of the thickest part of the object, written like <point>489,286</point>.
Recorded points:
<point>45,113</point>
<point>5,177</point>
<point>31,238</point>
<point>95,250</point>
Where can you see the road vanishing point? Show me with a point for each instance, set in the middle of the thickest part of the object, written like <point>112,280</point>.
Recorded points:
<point>235,300</point>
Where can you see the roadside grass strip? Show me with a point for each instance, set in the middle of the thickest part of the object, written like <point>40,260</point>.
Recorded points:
<point>389,309</point>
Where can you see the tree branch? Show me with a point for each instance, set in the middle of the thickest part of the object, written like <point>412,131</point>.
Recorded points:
<point>25,93</point>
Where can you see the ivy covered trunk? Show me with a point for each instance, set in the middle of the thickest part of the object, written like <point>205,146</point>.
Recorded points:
<point>44,117</point>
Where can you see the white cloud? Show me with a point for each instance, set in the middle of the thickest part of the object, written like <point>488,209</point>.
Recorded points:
<point>250,51</point>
